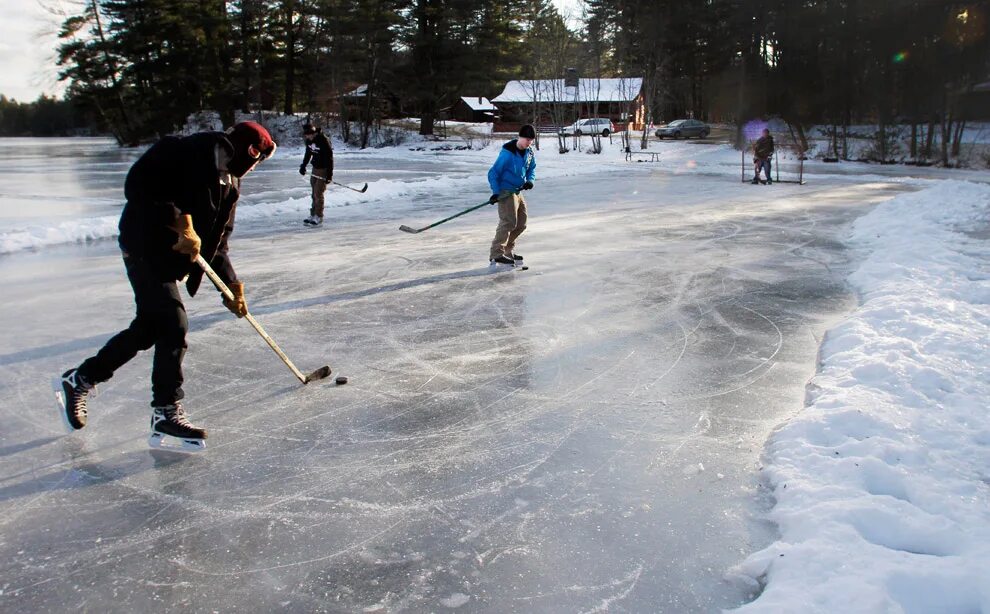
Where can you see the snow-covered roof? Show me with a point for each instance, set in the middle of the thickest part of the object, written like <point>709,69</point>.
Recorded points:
<point>478,103</point>
<point>588,90</point>
<point>360,90</point>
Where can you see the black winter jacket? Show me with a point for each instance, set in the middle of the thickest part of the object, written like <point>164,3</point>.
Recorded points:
<point>180,176</point>
<point>320,152</point>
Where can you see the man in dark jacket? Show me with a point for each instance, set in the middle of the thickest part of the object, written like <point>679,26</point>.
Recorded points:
<point>319,150</point>
<point>762,152</point>
<point>181,199</point>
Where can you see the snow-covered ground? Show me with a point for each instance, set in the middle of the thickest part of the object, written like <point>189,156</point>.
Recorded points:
<point>882,484</point>
<point>583,436</point>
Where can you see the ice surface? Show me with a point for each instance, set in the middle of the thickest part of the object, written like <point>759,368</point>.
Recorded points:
<point>506,443</point>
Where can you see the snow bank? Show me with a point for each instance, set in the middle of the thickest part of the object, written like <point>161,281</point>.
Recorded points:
<point>398,195</point>
<point>81,230</point>
<point>882,483</point>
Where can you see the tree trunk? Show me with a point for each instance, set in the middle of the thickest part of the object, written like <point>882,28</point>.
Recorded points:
<point>426,122</point>
<point>957,138</point>
<point>128,133</point>
<point>881,140</point>
<point>290,57</point>
<point>946,137</point>
<point>914,140</point>
<point>802,139</point>
<point>369,106</point>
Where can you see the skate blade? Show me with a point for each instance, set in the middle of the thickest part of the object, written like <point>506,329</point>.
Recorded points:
<point>60,403</point>
<point>498,267</point>
<point>168,443</point>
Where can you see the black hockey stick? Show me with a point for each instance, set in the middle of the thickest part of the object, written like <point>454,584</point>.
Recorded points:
<point>361,191</point>
<point>405,228</point>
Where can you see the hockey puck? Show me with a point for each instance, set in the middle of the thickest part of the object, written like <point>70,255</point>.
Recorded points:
<point>341,380</point>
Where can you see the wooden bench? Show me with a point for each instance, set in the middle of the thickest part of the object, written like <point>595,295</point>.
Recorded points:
<point>653,155</point>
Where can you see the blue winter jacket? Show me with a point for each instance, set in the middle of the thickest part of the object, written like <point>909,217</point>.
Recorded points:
<point>512,168</point>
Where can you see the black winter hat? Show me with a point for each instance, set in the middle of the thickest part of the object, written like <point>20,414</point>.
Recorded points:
<point>310,129</point>
<point>527,132</point>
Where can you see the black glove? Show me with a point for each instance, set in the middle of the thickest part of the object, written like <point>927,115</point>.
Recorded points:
<point>528,185</point>
<point>302,170</point>
<point>493,199</point>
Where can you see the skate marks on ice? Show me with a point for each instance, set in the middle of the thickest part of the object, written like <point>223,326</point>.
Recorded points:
<point>516,446</point>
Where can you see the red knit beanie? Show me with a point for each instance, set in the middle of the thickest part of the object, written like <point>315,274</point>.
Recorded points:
<point>252,143</point>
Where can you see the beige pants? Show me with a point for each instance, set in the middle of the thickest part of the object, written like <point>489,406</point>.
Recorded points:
<point>318,181</point>
<point>511,223</point>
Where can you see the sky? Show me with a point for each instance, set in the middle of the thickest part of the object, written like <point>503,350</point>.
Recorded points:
<point>27,48</point>
<point>28,40</point>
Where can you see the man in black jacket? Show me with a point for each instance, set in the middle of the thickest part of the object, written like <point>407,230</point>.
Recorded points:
<point>319,150</point>
<point>762,153</point>
<point>181,200</point>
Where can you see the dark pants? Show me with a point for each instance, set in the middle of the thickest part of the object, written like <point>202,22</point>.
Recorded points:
<point>160,322</point>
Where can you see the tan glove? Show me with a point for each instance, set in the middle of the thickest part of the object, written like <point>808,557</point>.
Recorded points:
<point>189,242</point>
<point>238,306</point>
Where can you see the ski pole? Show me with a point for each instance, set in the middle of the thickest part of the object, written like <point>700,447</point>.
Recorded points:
<point>362,190</point>
<point>405,228</point>
<point>320,373</point>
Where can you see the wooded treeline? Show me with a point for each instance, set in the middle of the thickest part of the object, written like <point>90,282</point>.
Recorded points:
<point>141,66</point>
<point>46,116</point>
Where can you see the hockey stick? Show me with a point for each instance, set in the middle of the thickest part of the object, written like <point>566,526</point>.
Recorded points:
<point>361,191</point>
<point>320,373</point>
<point>405,228</point>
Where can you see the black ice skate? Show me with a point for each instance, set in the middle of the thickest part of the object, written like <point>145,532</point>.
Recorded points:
<point>517,258</point>
<point>171,430</point>
<point>502,260</point>
<point>71,391</point>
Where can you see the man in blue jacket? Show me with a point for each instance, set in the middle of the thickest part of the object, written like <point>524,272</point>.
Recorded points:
<point>514,170</point>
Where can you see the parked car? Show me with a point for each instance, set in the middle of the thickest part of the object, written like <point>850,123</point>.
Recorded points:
<point>594,125</point>
<point>685,128</point>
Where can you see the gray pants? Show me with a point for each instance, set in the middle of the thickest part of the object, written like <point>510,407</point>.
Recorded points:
<point>511,223</point>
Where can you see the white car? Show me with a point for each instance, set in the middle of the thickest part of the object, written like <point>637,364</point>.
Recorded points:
<point>594,125</point>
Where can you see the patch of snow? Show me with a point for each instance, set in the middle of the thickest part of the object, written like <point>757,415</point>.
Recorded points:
<point>478,103</point>
<point>882,484</point>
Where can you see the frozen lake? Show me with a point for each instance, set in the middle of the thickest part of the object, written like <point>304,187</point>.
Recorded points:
<point>583,436</point>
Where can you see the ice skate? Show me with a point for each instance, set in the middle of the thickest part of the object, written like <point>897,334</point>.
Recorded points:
<point>501,260</point>
<point>71,391</point>
<point>171,430</point>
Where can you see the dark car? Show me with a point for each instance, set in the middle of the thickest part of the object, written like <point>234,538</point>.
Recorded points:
<point>684,128</point>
